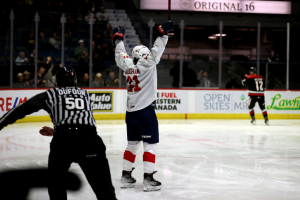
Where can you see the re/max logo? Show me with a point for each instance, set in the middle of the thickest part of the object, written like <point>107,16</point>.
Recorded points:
<point>8,103</point>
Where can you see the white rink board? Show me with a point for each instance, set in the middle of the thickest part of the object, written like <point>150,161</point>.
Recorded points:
<point>225,101</point>
<point>11,98</point>
<point>179,101</point>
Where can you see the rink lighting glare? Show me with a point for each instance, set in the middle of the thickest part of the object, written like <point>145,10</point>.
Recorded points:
<point>212,37</point>
<point>218,35</point>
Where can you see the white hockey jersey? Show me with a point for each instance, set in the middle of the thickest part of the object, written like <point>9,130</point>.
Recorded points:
<point>141,78</point>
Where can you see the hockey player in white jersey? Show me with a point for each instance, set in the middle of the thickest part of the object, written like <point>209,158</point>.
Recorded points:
<point>142,124</point>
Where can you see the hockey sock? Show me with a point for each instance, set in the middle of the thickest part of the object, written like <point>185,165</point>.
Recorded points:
<point>265,114</point>
<point>149,157</point>
<point>129,154</point>
<point>252,114</point>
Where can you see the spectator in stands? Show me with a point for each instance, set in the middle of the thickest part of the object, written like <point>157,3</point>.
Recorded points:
<point>40,77</point>
<point>21,59</point>
<point>21,3</point>
<point>98,41</point>
<point>111,38</point>
<point>80,18</point>
<point>48,63</point>
<point>97,6</point>
<point>96,58</point>
<point>101,16</point>
<point>55,40</point>
<point>93,46</point>
<point>89,16</point>
<point>85,80</point>
<point>61,7</point>
<point>51,80</point>
<point>189,75</point>
<point>87,5</point>
<point>68,40</point>
<point>70,24</point>
<point>39,4</point>
<point>44,42</point>
<point>93,50</point>
<point>107,31</point>
<point>53,23</point>
<point>112,81</point>
<point>29,83</point>
<point>79,10</point>
<point>32,59</point>
<point>106,52</point>
<point>20,83</point>
<point>80,51</point>
<point>103,49</point>
<point>49,6</point>
<point>98,82</point>
<point>204,81</point>
<point>30,41</point>
<point>84,60</point>
<point>109,55</point>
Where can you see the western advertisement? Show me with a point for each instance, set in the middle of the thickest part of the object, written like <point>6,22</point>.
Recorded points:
<point>171,101</point>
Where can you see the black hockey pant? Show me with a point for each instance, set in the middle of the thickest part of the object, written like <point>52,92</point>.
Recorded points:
<point>89,153</point>
<point>261,103</point>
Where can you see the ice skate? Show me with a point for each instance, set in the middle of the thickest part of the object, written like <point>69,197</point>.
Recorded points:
<point>150,184</point>
<point>253,122</point>
<point>267,121</point>
<point>127,180</point>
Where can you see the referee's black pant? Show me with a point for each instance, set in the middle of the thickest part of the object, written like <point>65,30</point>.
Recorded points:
<point>82,145</point>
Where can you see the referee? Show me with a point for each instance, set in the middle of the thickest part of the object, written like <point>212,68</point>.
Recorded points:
<point>75,137</point>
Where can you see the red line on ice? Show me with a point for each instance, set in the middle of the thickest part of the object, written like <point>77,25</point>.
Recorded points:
<point>7,139</point>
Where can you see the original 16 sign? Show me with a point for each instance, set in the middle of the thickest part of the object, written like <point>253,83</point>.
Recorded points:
<point>263,7</point>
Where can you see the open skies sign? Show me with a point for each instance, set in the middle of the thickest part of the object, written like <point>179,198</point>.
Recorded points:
<point>231,6</point>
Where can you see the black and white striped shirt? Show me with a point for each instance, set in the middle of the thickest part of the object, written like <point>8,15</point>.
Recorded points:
<point>66,106</point>
<point>70,105</point>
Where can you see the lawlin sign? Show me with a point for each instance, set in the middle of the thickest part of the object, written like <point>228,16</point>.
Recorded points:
<point>284,104</point>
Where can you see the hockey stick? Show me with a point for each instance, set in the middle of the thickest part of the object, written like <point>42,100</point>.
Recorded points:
<point>169,14</point>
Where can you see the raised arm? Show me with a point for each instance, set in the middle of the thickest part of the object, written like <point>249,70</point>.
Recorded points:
<point>159,45</point>
<point>32,105</point>
<point>120,52</point>
<point>156,51</point>
<point>121,55</point>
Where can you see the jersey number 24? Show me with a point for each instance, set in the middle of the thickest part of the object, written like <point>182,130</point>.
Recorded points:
<point>135,87</point>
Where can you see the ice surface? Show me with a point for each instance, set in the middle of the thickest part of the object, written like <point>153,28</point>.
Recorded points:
<point>196,159</point>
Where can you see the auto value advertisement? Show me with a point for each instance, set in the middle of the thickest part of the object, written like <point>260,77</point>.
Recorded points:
<point>172,101</point>
<point>102,101</point>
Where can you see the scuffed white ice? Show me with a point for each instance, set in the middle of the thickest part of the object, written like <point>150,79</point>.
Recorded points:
<point>196,159</point>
